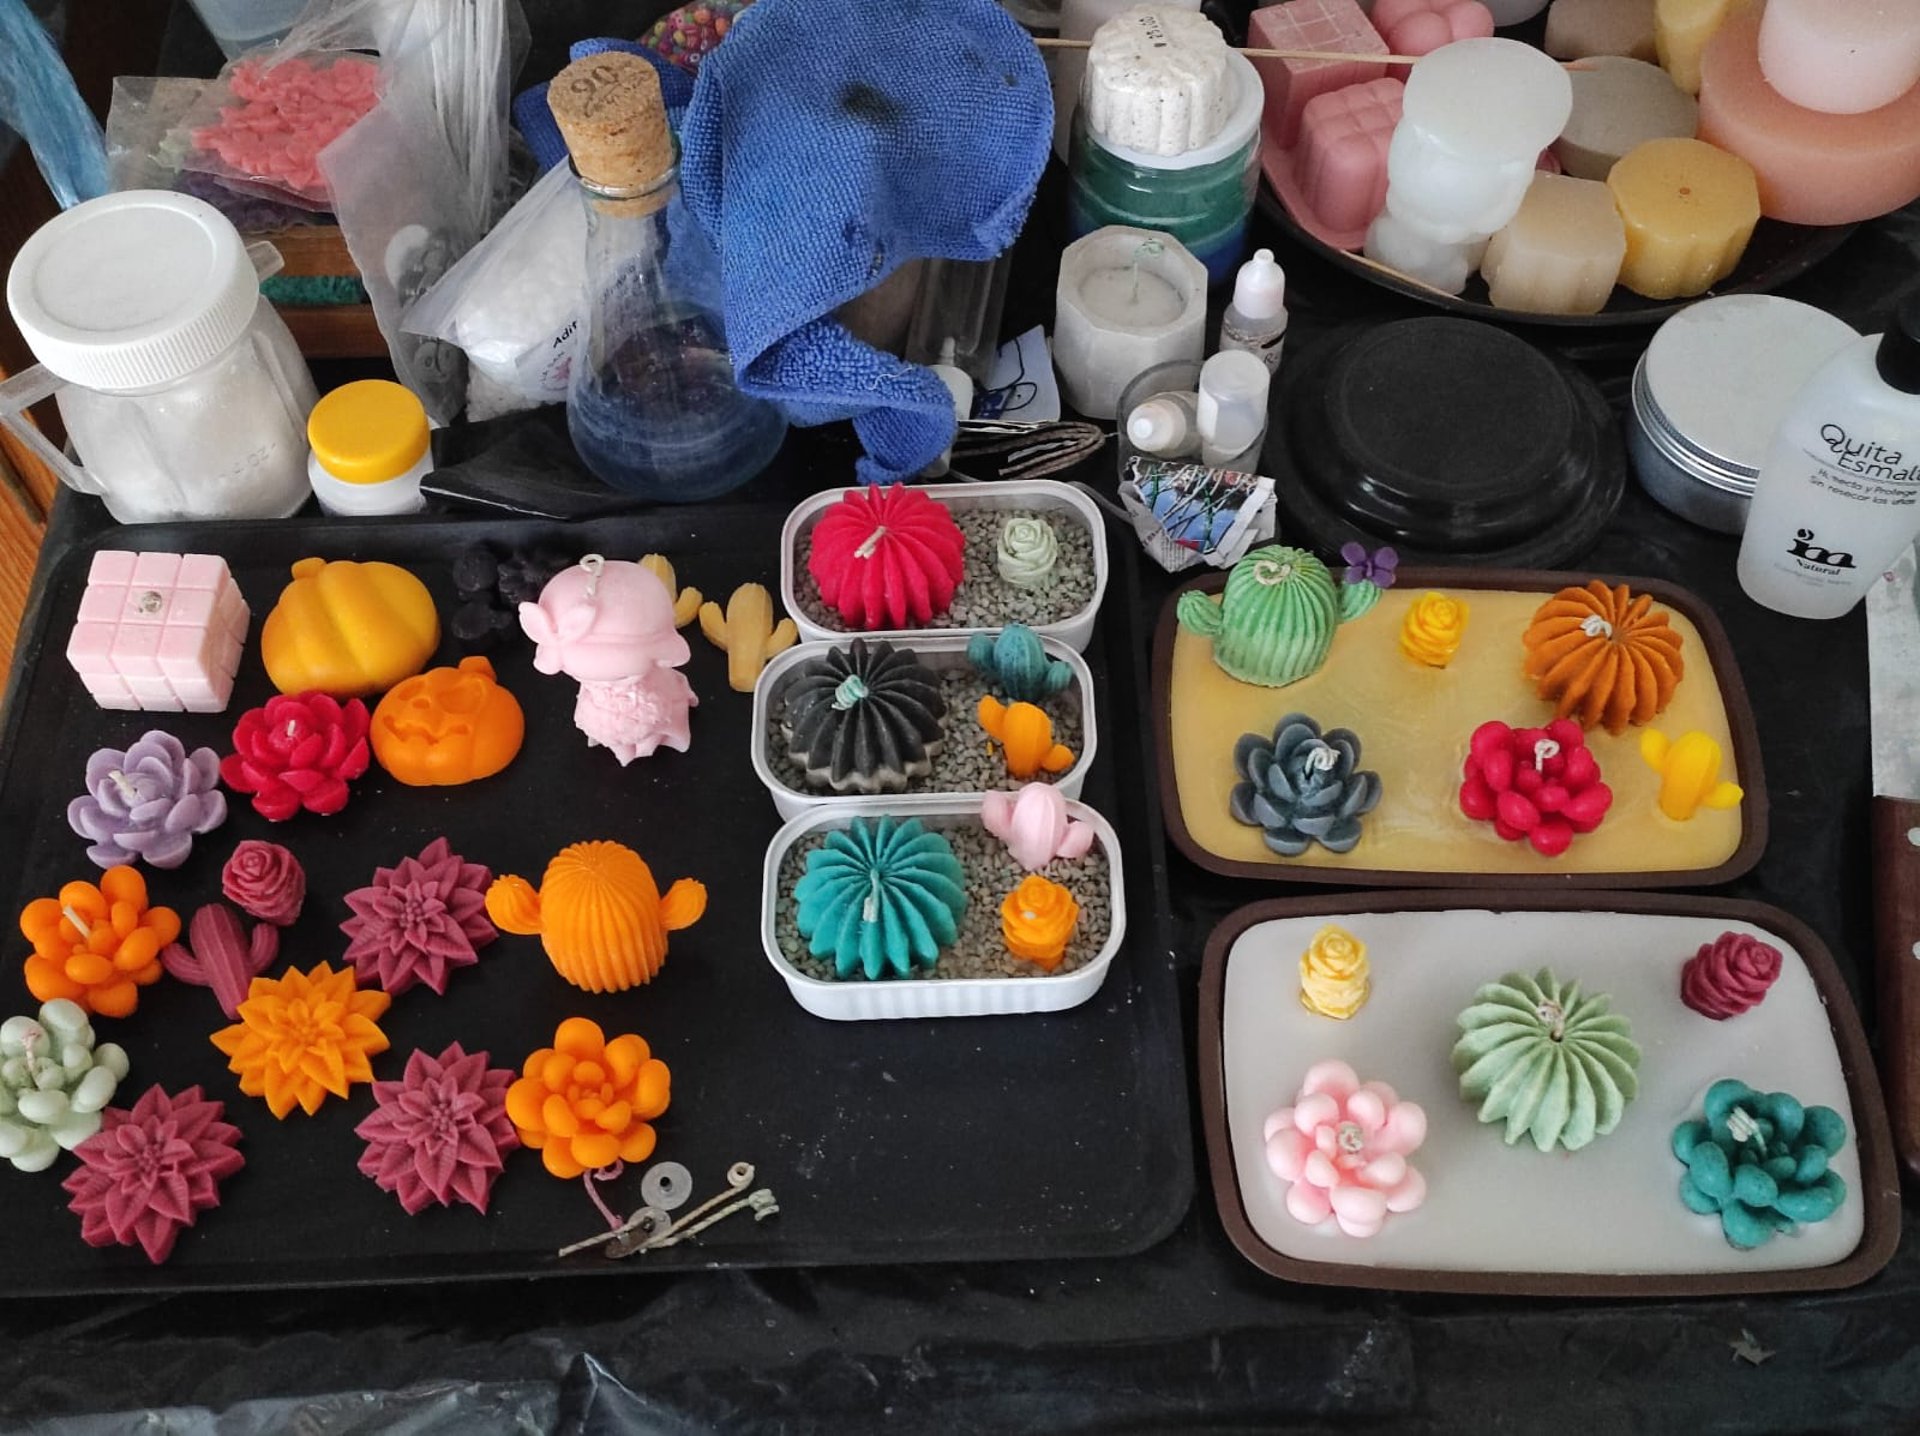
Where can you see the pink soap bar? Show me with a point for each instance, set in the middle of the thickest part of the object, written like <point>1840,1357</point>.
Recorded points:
<point>1419,27</point>
<point>1334,181</point>
<point>1813,168</point>
<point>1842,57</point>
<point>159,631</point>
<point>1327,25</point>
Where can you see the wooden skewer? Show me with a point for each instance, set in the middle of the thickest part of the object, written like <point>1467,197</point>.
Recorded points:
<point>1051,42</point>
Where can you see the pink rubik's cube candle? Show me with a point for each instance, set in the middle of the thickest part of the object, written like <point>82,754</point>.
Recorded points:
<point>1335,180</point>
<point>159,631</point>
<point>1813,168</point>
<point>1339,26</point>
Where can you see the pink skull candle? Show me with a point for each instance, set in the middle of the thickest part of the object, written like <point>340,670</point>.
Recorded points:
<point>159,631</point>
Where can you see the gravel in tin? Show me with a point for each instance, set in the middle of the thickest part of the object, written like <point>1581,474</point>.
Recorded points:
<point>966,762</point>
<point>984,599</point>
<point>991,873</point>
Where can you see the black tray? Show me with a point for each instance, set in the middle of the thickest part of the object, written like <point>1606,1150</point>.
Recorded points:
<point>907,1141</point>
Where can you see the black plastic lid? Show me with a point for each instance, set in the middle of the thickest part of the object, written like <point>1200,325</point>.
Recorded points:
<point>1898,357</point>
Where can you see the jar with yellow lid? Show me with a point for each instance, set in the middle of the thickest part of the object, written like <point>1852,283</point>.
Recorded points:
<point>370,449</point>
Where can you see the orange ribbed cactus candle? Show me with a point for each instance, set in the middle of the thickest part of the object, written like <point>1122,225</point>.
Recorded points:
<point>599,914</point>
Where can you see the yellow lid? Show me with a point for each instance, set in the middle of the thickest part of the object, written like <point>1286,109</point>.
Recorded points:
<point>368,432</point>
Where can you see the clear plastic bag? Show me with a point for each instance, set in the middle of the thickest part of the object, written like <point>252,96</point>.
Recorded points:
<point>513,302</point>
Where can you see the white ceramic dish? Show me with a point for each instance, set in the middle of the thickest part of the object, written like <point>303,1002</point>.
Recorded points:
<point>1611,1210</point>
<point>1041,495</point>
<point>939,652</point>
<point>936,997</point>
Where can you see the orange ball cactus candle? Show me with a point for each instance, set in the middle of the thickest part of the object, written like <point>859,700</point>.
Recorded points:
<point>586,1103</point>
<point>97,946</point>
<point>303,1035</point>
<point>599,915</point>
<point>1037,920</point>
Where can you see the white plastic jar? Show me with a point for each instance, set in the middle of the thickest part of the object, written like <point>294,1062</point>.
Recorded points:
<point>371,447</point>
<point>184,395</point>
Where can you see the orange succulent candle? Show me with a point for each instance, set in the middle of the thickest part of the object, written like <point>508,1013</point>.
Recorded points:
<point>97,946</point>
<point>587,1102</point>
<point>303,1035</point>
<point>1037,919</point>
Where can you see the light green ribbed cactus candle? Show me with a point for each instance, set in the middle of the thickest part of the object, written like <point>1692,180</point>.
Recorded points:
<point>1275,623</point>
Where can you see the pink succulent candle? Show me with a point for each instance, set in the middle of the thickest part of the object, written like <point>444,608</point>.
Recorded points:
<point>1343,1147</point>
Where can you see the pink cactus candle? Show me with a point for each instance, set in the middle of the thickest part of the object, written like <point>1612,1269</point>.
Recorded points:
<point>159,631</point>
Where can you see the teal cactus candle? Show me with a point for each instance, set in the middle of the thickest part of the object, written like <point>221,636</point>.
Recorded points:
<point>882,896</point>
<point>1017,662</point>
<point>1275,623</point>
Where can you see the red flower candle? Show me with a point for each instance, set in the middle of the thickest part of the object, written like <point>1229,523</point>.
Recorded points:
<point>299,751</point>
<point>1729,975</point>
<point>1540,784</point>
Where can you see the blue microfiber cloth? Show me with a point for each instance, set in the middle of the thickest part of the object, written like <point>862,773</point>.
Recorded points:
<point>831,141</point>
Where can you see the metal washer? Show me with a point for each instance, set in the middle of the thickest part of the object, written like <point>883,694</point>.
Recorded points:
<point>666,1185</point>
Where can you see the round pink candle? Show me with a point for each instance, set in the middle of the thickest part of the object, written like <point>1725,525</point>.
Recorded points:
<point>1813,168</point>
<point>1842,57</point>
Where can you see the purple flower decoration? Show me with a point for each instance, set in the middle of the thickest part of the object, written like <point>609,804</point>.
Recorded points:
<point>149,1172</point>
<point>1377,568</point>
<point>148,802</point>
<point>441,1132</point>
<point>419,921</point>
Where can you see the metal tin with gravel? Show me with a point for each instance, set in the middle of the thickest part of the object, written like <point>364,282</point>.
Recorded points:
<point>1064,607</point>
<point>975,975</point>
<point>964,763</point>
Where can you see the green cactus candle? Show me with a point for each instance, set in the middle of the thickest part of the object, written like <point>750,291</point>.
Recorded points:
<point>1275,623</point>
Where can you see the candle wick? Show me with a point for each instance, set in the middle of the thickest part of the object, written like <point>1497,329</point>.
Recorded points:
<point>79,923</point>
<point>1546,748</point>
<point>127,790</point>
<point>871,543</point>
<point>593,563</point>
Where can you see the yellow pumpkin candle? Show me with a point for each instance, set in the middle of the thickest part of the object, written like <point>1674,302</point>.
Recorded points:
<point>348,629</point>
<point>1689,769</point>
<point>1037,919</point>
<point>1689,210</point>
<point>1432,630</point>
<point>1333,974</point>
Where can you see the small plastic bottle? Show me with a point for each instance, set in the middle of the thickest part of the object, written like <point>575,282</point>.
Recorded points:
<point>1256,321</point>
<point>369,448</point>
<point>1838,497</point>
<point>1232,407</point>
<point>960,385</point>
<point>1166,425</point>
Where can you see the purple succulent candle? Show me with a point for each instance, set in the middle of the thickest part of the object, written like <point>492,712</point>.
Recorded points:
<point>149,802</point>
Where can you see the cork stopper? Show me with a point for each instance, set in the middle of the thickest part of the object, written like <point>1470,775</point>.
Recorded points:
<point>614,120</point>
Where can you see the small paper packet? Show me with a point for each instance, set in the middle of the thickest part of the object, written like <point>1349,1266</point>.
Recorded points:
<point>1188,513</point>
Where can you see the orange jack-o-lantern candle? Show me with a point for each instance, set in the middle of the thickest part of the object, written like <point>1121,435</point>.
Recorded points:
<point>447,726</point>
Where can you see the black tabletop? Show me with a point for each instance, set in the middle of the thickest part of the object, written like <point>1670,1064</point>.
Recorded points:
<point>1186,1334</point>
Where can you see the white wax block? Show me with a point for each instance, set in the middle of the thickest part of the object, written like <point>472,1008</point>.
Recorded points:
<point>1489,99</point>
<point>1443,266</point>
<point>1157,81</point>
<point>1446,196</point>
<point>1561,254</point>
<point>1842,57</point>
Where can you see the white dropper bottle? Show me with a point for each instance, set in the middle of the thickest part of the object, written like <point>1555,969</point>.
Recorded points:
<point>1232,407</point>
<point>1166,425</point>
<point>1256,321</point>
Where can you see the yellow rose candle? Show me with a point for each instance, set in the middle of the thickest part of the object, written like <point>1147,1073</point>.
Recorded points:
<point>1037,919</point>
<point>1432,630</point>
<point>1333,974</point>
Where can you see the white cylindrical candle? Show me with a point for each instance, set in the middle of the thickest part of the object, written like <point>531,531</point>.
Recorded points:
<point>1842,57</point>
<point>1127,299</point>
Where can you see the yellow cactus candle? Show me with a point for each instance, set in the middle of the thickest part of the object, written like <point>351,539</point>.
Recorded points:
<point>1689,210</point>
<point>1689,769</point>
<point>1433,628</point>
<point>1681,29</point>
<point>1333,974</point>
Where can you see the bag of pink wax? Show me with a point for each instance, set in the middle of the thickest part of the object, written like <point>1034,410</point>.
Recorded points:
<point>261,126</point>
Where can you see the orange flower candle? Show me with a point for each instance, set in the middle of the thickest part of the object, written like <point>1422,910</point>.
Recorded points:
<point>303,1035</point>
<point>97,946</point>
<point>1432,630</point>
<point>586,1102</point>
<point>1037,919</point>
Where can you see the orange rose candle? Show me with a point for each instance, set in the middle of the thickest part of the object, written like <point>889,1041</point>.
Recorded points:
<point>587,1102</point>
<point>1433,628</point>
<point>1037,920</point>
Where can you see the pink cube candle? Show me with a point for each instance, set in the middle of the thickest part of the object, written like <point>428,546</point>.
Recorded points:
<point>1841,57</point>
<point>1813,168</point>
<point>1419,27</point>
<point>160,632</point>
<point>1334,181</point>
<point>1340,26</point>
